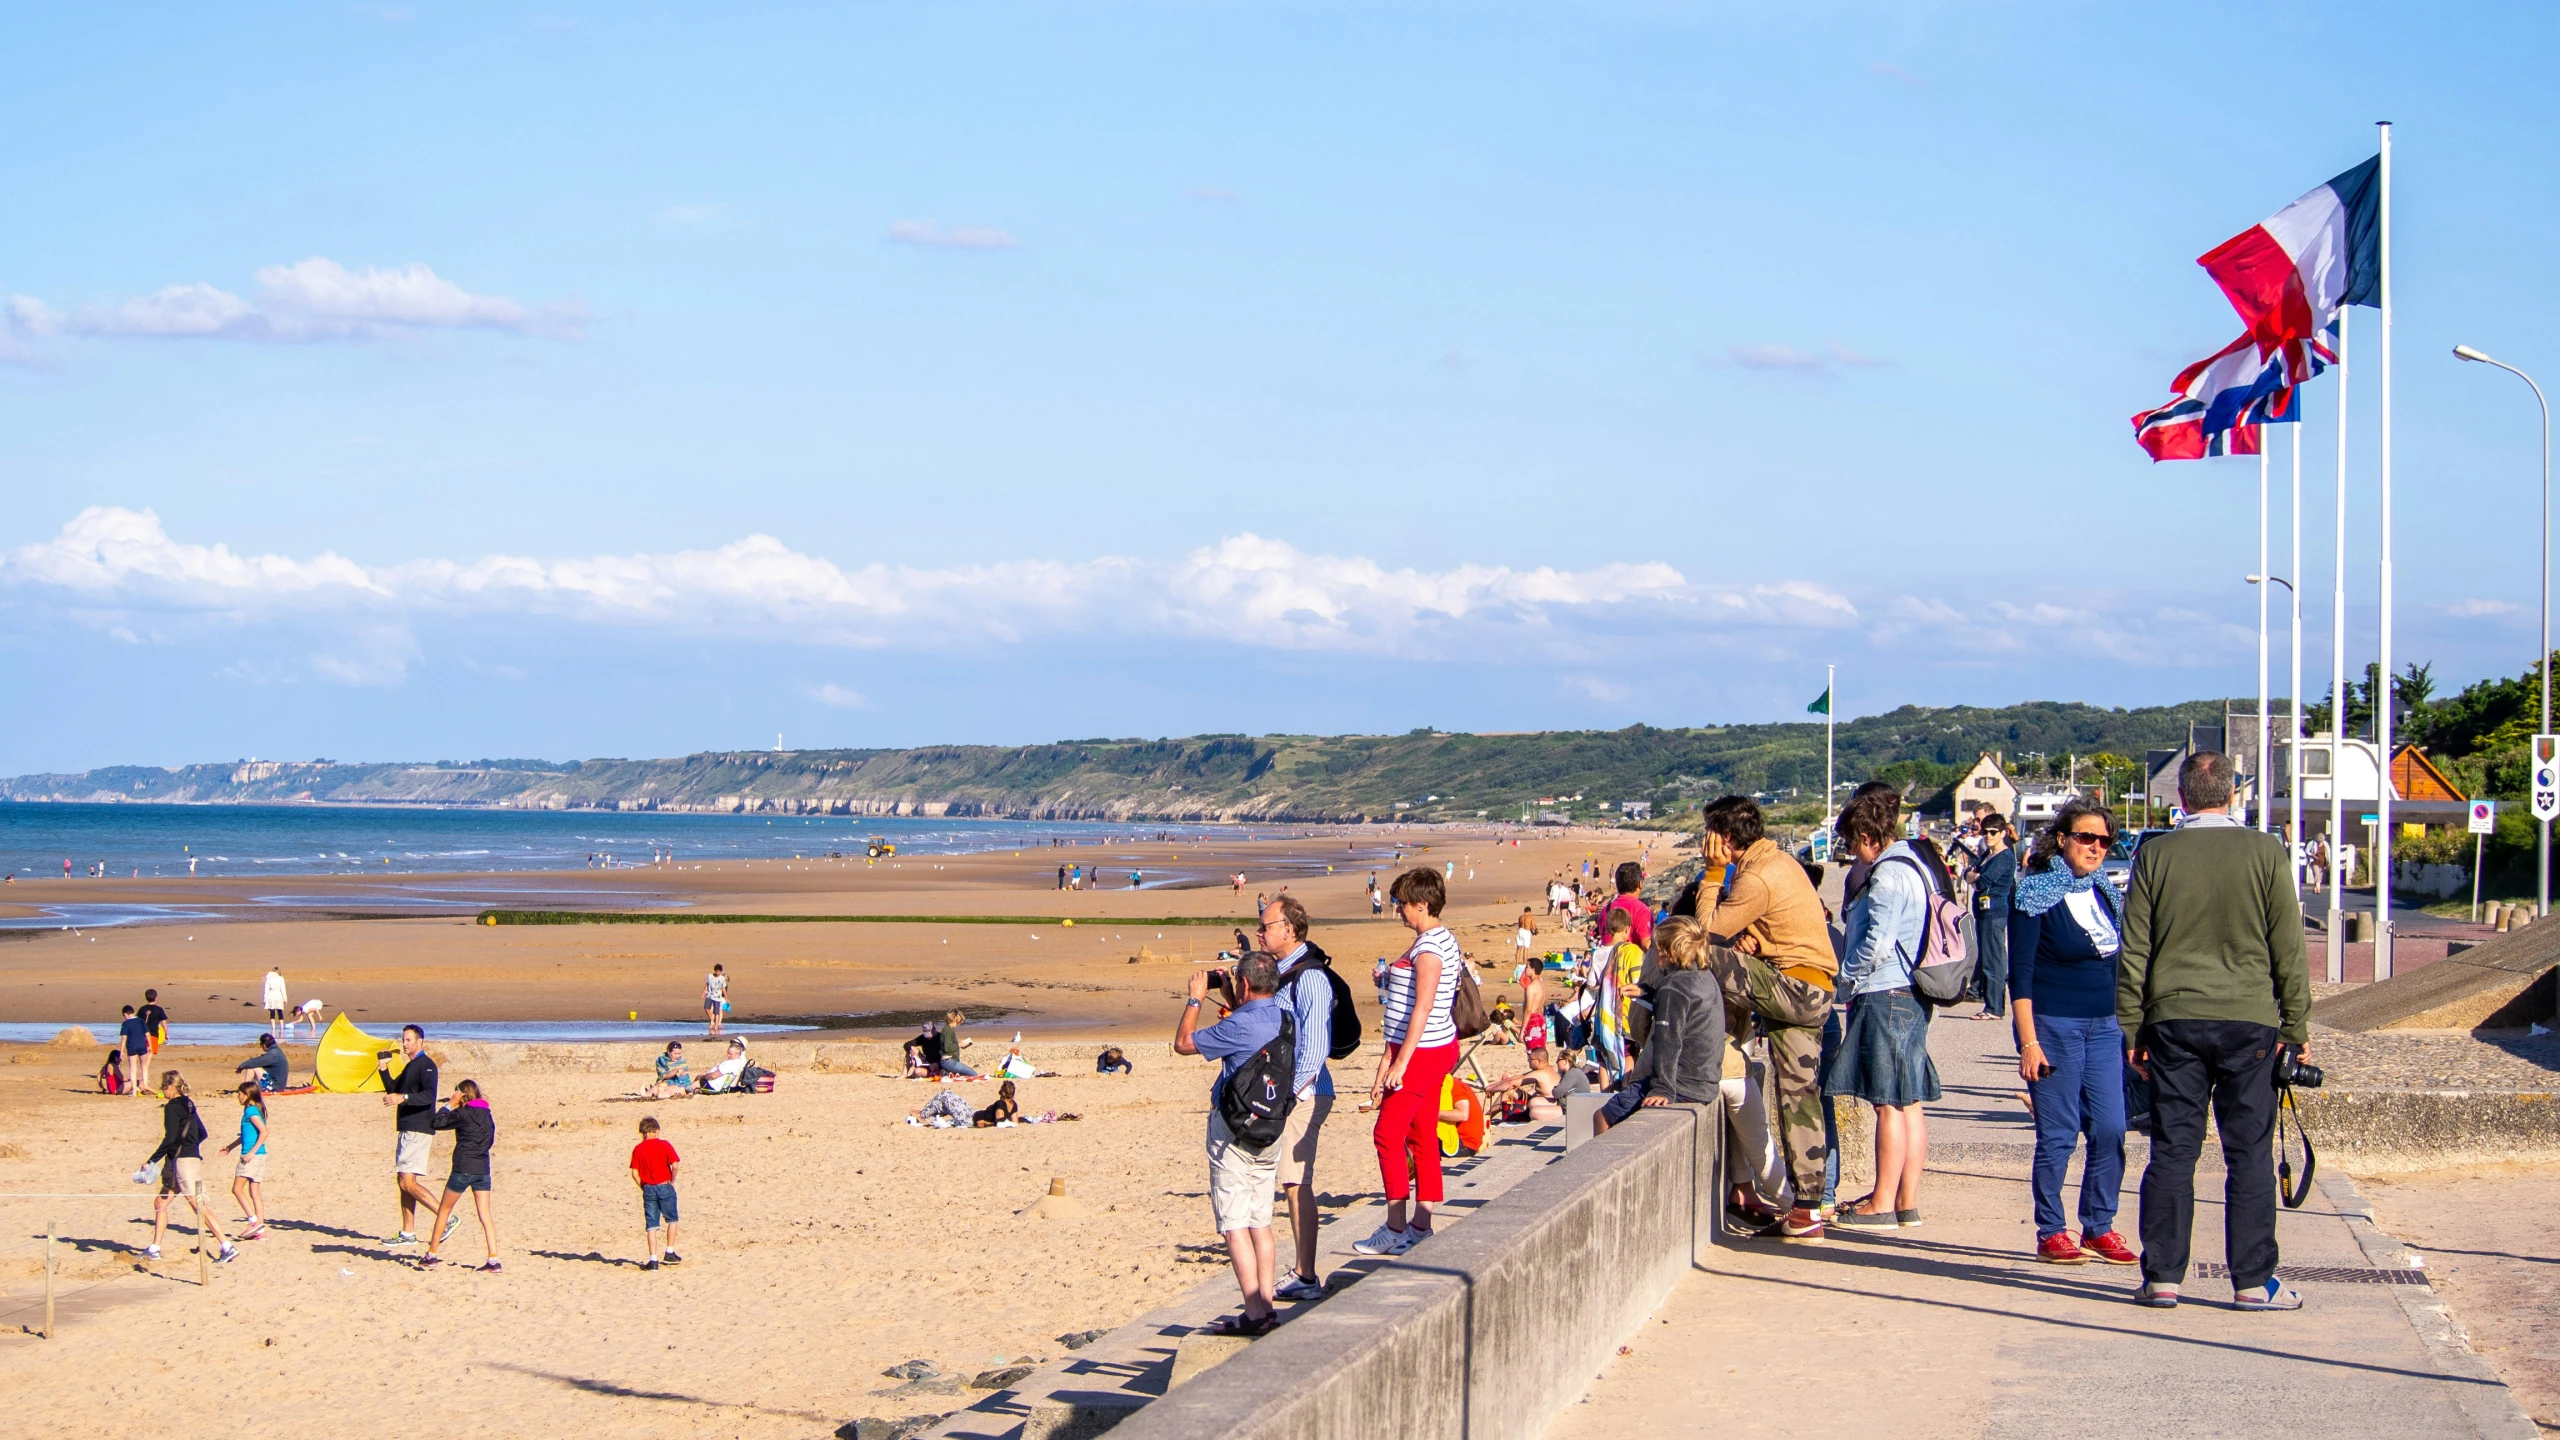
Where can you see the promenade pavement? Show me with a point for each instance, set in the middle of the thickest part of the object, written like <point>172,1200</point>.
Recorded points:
<point>1954,1329</point>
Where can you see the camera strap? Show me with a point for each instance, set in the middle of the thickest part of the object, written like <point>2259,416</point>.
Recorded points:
<point>2293,1194</point>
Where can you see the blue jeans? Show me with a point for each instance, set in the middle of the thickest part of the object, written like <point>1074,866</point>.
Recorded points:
<point>1832,1025</point>
<point>954,1067</point>
<point>1991,968</point>
<point>2083,1096</point>
<point>657,1205</point>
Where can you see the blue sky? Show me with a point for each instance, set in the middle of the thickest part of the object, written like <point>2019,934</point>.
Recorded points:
<point>426,380</point>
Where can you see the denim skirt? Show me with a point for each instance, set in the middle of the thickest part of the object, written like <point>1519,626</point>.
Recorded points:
<point>1883,1057</point>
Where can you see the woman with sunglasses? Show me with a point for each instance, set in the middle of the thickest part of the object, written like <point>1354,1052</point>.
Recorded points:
<point>2065,930</point>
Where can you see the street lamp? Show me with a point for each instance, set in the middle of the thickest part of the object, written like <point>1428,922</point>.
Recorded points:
<point>2542,867</point>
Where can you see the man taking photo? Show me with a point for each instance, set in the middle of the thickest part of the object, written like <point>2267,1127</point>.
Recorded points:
<point>2210,986</point>
<point>1240,1181</point>
<point>413,1091</point>
<point>1308,997</point>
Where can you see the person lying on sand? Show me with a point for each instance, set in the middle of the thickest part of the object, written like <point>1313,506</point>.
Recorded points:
<point>1003,1112</point>
<point>945,1111</point>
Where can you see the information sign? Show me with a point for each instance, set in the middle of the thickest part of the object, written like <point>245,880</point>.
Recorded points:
<point>2546,776</point>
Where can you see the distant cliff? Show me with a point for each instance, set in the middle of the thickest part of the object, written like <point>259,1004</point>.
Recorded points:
<point>1425,775</point>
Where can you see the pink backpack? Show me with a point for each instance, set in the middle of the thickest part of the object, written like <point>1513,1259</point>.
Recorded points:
<point>1943,971</point>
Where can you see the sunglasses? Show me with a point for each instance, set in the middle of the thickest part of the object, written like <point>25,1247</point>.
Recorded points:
<point>2088,837</point>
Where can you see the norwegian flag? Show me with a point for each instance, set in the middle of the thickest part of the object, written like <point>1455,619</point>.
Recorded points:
<point>2224,398</point>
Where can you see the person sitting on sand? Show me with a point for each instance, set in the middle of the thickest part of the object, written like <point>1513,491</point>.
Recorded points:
<point>270,1064</point>
<point>1111,1061</point>
<point>1001,1112</point>
<point>944,1111</point>
<point>724,1076</point>
<point>675,1076</point>
<point>951,1063</point>
<point>111,1074</point>
<point>1502,1026</point>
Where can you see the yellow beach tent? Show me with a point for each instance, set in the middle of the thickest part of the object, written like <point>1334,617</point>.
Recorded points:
<point>347,1061</point>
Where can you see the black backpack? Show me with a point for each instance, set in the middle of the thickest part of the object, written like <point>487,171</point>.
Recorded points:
<point>1344,1028</point>
<point>1255,1099</point>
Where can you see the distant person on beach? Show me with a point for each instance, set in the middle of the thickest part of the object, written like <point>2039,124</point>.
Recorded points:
<point>715,999</point>
<point>1062,877</point>
<point>311,1011</point>
<point>155,1021</point>
<point>1003,1110</point>
<point>111,1074</point>
<point>1630,880</point>
<point>181,1162</point>
<point>924,1054</point>
<point>1524,937</point>
<point>271,995</point>
<point>952,1064</point>
<point>251,1173</point>
<point>1377,898</point>
<point>269,1062</point>
<point>723,1077</point>
<point>137,1050</point>
<point>1112,1061</point>
<point>674,1076</point>
<point>474,1131</point>
<point>653,1169</point>
<point>413,1092</point>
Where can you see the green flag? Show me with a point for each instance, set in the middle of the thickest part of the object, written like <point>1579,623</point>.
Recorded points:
<point>1821,704</point>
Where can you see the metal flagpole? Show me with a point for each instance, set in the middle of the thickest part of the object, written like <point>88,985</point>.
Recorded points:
<point>2338,689</point>
<point>2293,594</point>
<point>2264,585</point>
<point>2382,702</point>
<point>1830,717</point>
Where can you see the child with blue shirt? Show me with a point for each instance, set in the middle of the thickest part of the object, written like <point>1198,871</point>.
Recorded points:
<point>247,1180</point>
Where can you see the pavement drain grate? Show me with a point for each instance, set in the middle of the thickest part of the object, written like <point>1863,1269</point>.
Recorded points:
<point>2328,1274</point>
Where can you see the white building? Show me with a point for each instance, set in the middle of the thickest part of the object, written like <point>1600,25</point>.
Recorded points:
<point>1985,787</point>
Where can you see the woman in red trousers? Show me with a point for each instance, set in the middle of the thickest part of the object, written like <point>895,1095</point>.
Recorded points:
<point>1416,990</point>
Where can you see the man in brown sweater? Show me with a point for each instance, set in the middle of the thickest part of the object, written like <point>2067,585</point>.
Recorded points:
<point>1771,952</point>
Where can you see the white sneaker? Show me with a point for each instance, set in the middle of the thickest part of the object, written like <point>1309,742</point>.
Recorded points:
<point>404,1238</point>
<point>1298,1287</point>
<point>1385,1240</point>
<point>150,1252</point>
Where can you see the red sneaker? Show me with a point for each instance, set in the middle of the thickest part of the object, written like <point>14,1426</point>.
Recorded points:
<point>2061,1249</point>
<point>2109,1247</point>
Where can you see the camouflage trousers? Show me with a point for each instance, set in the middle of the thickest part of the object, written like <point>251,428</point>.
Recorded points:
<point>1789,1012</point>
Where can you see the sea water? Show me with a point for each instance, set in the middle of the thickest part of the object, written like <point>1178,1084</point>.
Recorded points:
<point>536,1032</point>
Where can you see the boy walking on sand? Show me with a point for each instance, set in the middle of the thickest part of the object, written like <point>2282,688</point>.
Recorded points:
<point>653,1169</point>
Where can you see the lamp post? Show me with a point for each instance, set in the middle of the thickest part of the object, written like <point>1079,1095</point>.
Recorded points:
<point>2542,854</point>
<point>2293,750</point>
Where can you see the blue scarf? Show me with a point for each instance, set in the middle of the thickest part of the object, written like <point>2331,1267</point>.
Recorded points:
<point>2041,892</point>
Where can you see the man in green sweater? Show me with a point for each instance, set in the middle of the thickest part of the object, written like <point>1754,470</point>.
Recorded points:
<point>2209,986</point>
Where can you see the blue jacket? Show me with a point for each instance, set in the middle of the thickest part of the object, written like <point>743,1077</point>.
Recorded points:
<point>1886,922</point>
<point>2054,964</point>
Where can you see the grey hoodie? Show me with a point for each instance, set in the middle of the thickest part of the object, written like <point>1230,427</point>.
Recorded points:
<point>1684,1057</point>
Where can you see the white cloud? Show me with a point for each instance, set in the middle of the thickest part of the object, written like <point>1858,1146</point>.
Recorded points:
<point>2481,609</point>
<point>841,697</point>
<point>962,237</point>
<point>309,300</point>
<point>108,565</point>
<point>1788,359</point>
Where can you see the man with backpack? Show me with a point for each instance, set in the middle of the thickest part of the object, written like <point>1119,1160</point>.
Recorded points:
<point>1248,1107</point>
<point>1314,997</point>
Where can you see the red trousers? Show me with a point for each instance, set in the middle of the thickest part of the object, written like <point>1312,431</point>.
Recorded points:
<point>1408,1131</point>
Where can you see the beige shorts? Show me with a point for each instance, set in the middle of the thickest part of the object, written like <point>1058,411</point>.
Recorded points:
<point>410,1158</point>
<point>1297,1147</point>
<point>252,1167</point>
<point>1239,1183</point>
<point>180,1175</point>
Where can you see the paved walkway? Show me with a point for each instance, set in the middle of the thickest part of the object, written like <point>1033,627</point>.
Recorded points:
<point>1952,1330</point>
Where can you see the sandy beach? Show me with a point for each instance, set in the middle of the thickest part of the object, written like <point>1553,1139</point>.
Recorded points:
<point>824,1240</point>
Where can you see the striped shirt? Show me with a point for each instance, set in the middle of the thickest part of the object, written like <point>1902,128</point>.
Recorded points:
<point>1397,983</point>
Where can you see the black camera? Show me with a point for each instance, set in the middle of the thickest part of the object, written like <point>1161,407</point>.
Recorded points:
<point>2291,1073</point>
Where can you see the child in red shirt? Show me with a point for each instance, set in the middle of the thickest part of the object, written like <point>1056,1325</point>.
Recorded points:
<point>653,1169</point>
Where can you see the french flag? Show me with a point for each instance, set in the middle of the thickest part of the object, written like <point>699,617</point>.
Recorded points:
<point>2224,398</point>
<point>2288,275</point>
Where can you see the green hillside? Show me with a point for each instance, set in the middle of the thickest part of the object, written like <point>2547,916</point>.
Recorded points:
<point>1425,775</point>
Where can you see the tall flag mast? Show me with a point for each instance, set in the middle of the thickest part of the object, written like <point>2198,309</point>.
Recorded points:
<point>1822,707</point>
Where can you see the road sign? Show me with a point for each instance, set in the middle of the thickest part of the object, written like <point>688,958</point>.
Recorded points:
<point>2484,817</point>
<point>2546,777</point>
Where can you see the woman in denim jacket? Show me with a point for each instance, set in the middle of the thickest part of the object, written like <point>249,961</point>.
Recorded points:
<point>1884,1048</point>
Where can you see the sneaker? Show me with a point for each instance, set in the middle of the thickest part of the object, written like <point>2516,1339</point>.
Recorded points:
<point>652,1265</point>
<point>150,1252</point>
<point>449,1227</point>
<point>673,1257</point>
<point>1298,1287</point>
<point>255,1232</point>
<point>429,1262</point>
<point>2060,1249</point>
<point>404,1238</point>
<point>2274,1295</point>
<point>1907,1219</point>
<point>1849,1219</point>
<point>1799,1225</point>
<point>491,1268</point>
<point>229,1254</point>
<point>2157,1295</point>
<point>2109,1247</point>
<point>1385,1240</point>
